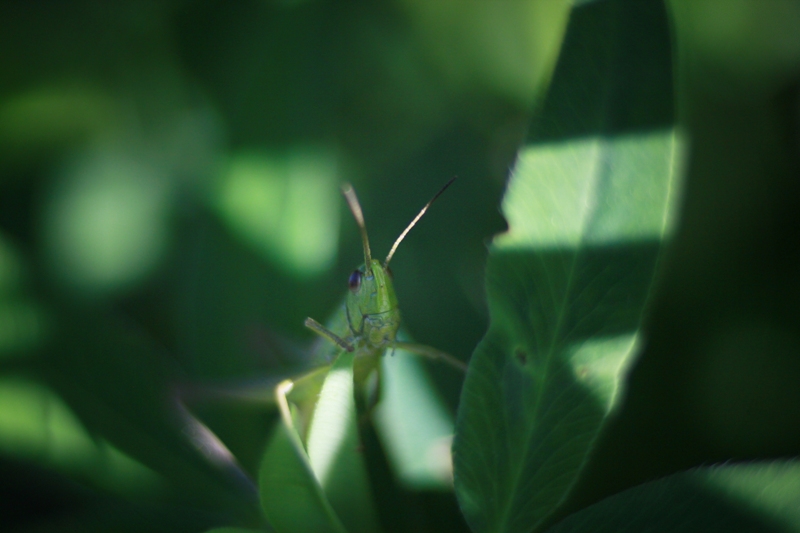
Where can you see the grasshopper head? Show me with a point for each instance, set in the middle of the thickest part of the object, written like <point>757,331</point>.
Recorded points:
<point>372,309</point>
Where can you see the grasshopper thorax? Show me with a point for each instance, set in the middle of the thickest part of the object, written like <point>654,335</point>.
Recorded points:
<point>373,314</point>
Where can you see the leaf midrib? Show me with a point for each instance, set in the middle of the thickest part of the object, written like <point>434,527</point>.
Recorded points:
<point>550,352</point>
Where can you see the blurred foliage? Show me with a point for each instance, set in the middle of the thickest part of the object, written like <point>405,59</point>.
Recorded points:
<point>169,216</point>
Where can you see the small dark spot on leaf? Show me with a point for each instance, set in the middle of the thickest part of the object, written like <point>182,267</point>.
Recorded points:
<point>521,356</point>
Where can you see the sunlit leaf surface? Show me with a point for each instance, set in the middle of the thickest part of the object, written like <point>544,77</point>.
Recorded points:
<point>767,489</point>
<point>319,483</point>
<point>588,205</point>
<point>757,497</point>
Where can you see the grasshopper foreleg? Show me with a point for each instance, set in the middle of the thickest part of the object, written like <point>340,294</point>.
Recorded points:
<point>431,353</point>
<point>324,332</point>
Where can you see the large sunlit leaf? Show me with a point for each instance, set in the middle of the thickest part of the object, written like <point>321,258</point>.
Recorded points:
<point>757,497</point>
<point>589,203</point>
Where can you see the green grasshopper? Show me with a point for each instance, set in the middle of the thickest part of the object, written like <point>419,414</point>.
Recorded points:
<point>372,313</point>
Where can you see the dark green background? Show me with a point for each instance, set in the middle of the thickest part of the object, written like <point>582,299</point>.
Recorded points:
<point>717,379</point>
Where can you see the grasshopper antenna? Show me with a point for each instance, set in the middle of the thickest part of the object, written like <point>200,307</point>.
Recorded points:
<point>355,208</point>
<point>413,222</point>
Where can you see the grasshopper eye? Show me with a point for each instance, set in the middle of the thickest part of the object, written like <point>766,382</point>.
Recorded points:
<point>355,280</point>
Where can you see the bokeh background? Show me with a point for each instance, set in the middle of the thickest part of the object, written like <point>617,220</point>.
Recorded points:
<point>170,214</point>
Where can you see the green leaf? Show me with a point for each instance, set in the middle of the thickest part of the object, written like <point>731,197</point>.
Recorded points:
<point>320,484</point>
<point>757,497</point>
<point>334,449</point>
<point>767,489</point>
<point>415,426</point>
<point>589,203</point>
<point>291,497</point>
